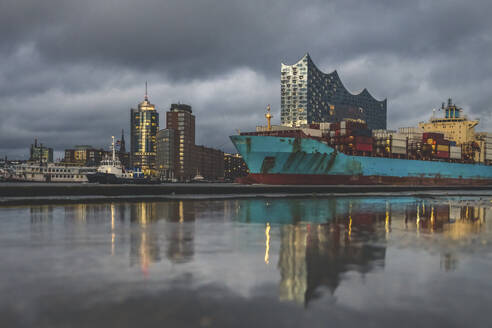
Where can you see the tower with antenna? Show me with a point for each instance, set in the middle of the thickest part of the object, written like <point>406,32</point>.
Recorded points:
<point>143,139</point>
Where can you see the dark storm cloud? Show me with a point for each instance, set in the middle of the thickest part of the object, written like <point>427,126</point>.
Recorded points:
<point>71,70</point>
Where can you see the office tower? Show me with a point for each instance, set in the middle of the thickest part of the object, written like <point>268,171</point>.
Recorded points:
<point>180,119</point>
<point>165,154</point>
<point>144,127</point>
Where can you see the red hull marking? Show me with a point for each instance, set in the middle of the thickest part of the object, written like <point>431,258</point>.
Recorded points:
<point>315,179</point>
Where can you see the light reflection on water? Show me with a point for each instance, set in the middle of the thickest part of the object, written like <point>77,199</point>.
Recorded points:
<point>236,262</point>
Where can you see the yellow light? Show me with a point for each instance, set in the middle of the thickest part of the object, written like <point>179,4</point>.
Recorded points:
<point>386,221</point>
<point>267,243</point>
<point>113,236</point>
<point>350,227</point>
<point>181,212</point>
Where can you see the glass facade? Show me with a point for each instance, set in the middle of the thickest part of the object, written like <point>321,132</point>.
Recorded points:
<point>144,127</point>
<point>165,153</point>
<point>310,96</point>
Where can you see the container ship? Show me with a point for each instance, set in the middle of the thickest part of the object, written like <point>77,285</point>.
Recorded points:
<point>443,151</point>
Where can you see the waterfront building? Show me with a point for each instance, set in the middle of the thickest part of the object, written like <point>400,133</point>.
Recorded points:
<point>454,125</point>
<point>40,154</point>
<point>310,96</point>
<point>84,155</point>
<point>234,167</point>
<point>165,154</point>
<point>144,127</point>
<point>178,157</point>
<point>209,162</point>
<point>181,120</point>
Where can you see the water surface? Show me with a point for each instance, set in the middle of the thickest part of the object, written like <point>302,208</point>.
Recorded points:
<point>269,262</point>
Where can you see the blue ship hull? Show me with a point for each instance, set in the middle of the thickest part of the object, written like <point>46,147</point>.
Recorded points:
<point>288,160</point>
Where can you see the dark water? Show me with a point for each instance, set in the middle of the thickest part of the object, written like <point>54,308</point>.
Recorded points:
<point>311,262</point>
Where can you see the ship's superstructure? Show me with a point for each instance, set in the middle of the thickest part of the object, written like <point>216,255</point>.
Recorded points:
<point>310,96</point>
<point>454,125</point>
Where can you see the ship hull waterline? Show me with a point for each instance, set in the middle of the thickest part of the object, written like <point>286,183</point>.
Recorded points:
<point>306,161</point>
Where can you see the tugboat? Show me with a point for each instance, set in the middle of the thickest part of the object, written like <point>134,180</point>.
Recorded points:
<point>112,172</point>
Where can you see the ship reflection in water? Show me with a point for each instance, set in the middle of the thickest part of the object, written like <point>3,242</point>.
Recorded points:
<point>364,255</point>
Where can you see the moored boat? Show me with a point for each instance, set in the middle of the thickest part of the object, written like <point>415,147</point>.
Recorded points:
<point>308,155</point>
<point>111,171</point>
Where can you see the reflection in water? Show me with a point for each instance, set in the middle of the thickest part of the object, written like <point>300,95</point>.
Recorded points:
<point>315,255</point>
<point>319,240</point>
<point>180,236</point>
<point>322,240</point>
<point>178,218</point>
<point>144,241</point>
<point>267,243</point>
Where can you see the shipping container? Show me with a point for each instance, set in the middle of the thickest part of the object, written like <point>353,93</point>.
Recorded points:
<point>382,133</point>
<point>410,130</point>
<point>363,139</point>
<point>399,143</point>
<point>442,154</point>
<point>312,132</point>
<point>443,148</point>
<point>455,155</point>
<point>363,147</point>
<point>399,150</point>
<point>455,152</point>
<point>455,149</point>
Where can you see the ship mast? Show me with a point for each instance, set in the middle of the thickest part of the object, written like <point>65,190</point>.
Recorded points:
<point>268,117</point>
<point>112,146</point>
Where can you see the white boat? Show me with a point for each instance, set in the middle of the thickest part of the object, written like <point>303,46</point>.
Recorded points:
<point>49,172</point>
<point>111,171</point>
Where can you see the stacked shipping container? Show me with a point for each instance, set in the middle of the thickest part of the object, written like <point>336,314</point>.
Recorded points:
<point>488,147</point>
<point>350,136</point>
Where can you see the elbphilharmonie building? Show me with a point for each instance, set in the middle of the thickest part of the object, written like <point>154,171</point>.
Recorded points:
<point>310,96</point>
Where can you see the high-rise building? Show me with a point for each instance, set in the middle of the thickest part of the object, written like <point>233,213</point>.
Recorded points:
<point>165,154</point>
<point>180,119</point>
<point>310,96</point>
<point>144,127</point>
<point>40,154</point>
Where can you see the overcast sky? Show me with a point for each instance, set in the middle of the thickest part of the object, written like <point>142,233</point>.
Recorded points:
<point>71,70</point>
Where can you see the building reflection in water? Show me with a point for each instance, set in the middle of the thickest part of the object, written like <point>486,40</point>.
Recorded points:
<point>171,221</point>
<point>321,239</point>
<point>178,219</point>
<point>41,222</point>
<point>144,240</point>
<point>316,255</point>
<point>180,230</point>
